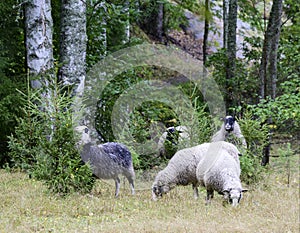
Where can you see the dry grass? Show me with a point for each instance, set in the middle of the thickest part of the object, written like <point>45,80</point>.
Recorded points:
<point>271,206</point>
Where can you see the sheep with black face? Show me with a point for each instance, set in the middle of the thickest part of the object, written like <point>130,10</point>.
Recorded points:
<point>108,160</point>
<point>229,127</point>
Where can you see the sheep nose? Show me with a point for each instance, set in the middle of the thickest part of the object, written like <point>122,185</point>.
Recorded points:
<point>235,202</point>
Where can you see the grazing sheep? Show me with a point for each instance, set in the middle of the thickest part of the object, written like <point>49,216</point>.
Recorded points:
<point>229,127</point>
<point>172,135</point>
<point>181,170</point>
<point>107,160</point>
<point>219,170</point>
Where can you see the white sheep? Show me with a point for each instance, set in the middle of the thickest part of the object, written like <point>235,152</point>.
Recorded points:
<point>229,127</point>
<point>174,135</point>
<point>219,170</point>
<point>108,160</point>
<point>181,170</point>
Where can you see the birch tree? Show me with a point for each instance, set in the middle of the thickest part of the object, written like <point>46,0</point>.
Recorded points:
<point>39,52</point>
<point>126,11</point>
<point>73,45</point>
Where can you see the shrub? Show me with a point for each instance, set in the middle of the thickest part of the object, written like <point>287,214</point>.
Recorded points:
<point>256,136</point>
<point>44,144</point>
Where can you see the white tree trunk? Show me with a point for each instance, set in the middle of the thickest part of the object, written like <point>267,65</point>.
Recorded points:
<point>127,26</point>
<point>103,35</point>
<point>39,52</point>
<point>73,45</point>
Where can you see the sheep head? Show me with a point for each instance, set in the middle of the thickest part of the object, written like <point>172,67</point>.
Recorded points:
<point>84,134</point>
<point>158,190</point>
<point>229,123</point>
<point>233,196</point>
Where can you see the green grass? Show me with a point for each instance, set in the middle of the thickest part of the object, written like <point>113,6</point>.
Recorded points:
<point>270,206</point>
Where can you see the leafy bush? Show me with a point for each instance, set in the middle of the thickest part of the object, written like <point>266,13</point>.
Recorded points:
<point>44,144</point>
<point>284,110</point>
<point>256,136</point>
<point>242,86</point>
<point>153,115</point>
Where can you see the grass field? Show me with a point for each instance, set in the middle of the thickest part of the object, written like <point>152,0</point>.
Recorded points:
<point>270,206</point>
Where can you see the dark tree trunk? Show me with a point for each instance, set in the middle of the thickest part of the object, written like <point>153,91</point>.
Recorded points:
<point>160,22</point>
<point>153,24</point>
<point>274,48</point>
<point>268,66</point>
<point>206,31</point>
<point>231,53</point>
<point>225,22</point>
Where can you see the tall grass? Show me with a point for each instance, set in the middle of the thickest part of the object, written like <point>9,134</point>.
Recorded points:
<point>271,206</point>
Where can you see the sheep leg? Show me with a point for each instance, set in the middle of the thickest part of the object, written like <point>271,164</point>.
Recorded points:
<point>209,196</point>
<point>117,181</point>
<point>196,194</point>
<point>130,180</point>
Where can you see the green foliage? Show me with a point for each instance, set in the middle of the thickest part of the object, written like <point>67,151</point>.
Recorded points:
<point>150,119</point>
<point>243,87</point>
<point>44,144</point>
<point>10,108</point>
<point>12,58</point>
<point>256,136</point>
<point>173,14</point>
<point>251,12</point>
<point>284,110</point>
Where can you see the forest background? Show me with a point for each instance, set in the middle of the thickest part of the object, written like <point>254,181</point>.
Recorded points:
<point>48,47</point>
<point>48,52</point>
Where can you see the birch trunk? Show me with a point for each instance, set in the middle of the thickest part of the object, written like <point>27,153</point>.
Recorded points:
<point>127,23</point>
<point>73,45</point>
<point>39,52</point>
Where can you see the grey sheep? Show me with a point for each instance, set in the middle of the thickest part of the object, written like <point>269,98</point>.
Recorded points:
<point>108,160</point>
<point>181,170</point>
<point>218,170</point>
<point>229,127</point>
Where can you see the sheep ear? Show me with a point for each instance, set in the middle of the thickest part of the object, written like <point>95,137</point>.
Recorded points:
<point>225,192</point>
<point>240,154</point>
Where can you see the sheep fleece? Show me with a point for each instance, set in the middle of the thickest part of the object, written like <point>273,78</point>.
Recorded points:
<point>181,169</point>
